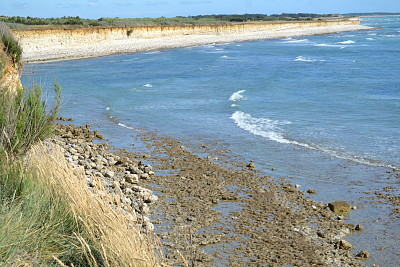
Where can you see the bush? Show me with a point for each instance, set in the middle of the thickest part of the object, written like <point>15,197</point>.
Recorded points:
<point>24,119</point>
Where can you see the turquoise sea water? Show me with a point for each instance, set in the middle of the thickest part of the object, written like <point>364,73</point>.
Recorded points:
<point>322,110</point>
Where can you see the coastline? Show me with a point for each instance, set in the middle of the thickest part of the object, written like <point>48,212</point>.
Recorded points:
<point>208,211</point>
<point>58,45</point>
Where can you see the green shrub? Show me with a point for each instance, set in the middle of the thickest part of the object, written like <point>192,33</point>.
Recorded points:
<point>24,119</point>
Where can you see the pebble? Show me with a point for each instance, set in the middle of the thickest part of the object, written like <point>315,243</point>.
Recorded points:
<point>359,227</point>
<point>311,191</point>
<point>118,175</point>
<point>345,245</point>
<point>364,255</point>
<point>339,207</point>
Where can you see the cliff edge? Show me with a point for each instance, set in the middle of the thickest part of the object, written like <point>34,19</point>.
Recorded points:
<point>10,70</point>
<point>60,44</point>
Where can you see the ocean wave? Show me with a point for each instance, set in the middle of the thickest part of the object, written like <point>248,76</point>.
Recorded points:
<point>224,57</point>
<point>347,42</point>
<point>236,96</point>
<point>295,41</point>
<point>148,85</point>
<point>329,45</point>
<point>152,52</point>
<point>305,59</point>
<point>270,129</point>
<point>126,126</point>
<point>263,127</point>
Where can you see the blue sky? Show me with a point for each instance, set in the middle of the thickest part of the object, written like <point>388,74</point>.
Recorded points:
<point>170,8</point>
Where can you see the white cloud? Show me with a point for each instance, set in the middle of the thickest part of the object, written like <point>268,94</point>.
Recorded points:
<point>93,3</point>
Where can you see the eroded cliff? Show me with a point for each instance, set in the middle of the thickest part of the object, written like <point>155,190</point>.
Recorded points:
<point>52,44</point>
<point>10,71</point>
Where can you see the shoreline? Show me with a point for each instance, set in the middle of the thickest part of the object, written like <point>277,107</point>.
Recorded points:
<point>206,211</point>
<point>56,45</point>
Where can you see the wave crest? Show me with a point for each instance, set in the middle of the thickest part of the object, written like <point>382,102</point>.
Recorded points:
<point>237,96</point>
<point>261,126</point>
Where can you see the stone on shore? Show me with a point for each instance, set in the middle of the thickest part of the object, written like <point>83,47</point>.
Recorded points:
<point>364,255</point>
<point>345,245</point>
<point>339,207</point>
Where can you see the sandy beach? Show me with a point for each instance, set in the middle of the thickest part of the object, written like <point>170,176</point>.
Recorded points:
<point>54,46</point>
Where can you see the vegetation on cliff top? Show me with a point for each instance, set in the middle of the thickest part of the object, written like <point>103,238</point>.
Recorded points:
<point>180,20</point>
<point>13,49</point>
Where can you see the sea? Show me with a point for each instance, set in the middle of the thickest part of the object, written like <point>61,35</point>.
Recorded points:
<point>322,111</point>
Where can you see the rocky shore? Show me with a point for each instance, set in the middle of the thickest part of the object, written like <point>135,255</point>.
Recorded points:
<point>213,210</point>
<point>114,175</point>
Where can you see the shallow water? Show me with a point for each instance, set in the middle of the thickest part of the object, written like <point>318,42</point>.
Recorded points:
<point>321,110</point>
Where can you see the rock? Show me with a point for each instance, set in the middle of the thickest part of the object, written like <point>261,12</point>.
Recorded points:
<point>251,165</point>
<point>363,255</point>
<point>151,199</point>
<point>297,186</point>
<point>311,191</point>
<point>144,176</point>
<point>339,207</point>
<point>132,178</point>
<point>345,245</point>
<point>359,227</point>
<point>109,174</point>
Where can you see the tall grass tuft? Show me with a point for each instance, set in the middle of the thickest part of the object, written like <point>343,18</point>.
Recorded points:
<point>13,49</point>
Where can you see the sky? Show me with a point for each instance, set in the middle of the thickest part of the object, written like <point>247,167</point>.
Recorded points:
<point>95,9</point>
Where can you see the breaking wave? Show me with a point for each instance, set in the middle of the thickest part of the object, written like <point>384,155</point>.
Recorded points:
<point>347,42</point>
<point>305,59</point>
<point>261,126</point>
<point>237,96</point>
<point>270,129</point>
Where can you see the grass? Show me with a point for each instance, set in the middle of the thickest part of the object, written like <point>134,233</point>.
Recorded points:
<point>19,22</point>
<point>13,49</point>
<point>48,216</point>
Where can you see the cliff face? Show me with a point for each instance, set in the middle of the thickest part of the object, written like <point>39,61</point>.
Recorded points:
<point>74,37</point>
<point>9,72</point>
<point>56,42</point>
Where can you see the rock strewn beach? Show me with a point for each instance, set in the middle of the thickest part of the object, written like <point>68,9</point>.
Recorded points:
<point>212,211</point>
<point>64,44</point>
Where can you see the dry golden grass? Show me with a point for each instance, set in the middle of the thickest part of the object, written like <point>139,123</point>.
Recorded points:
<point>108,234</point>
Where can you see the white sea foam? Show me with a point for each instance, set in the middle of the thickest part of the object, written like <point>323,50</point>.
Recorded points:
<point>261,126</point>
<point>329,45</point>
<point>108,108</point>
<point>153,52</point>
<point>347,42</point>
<point>270,129</point>
<point>224,57</point>
<point>305,59</point>
<point>236,96</point>
<point>296,41</point>
<point>148,85</point>
<point>126,126</point>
